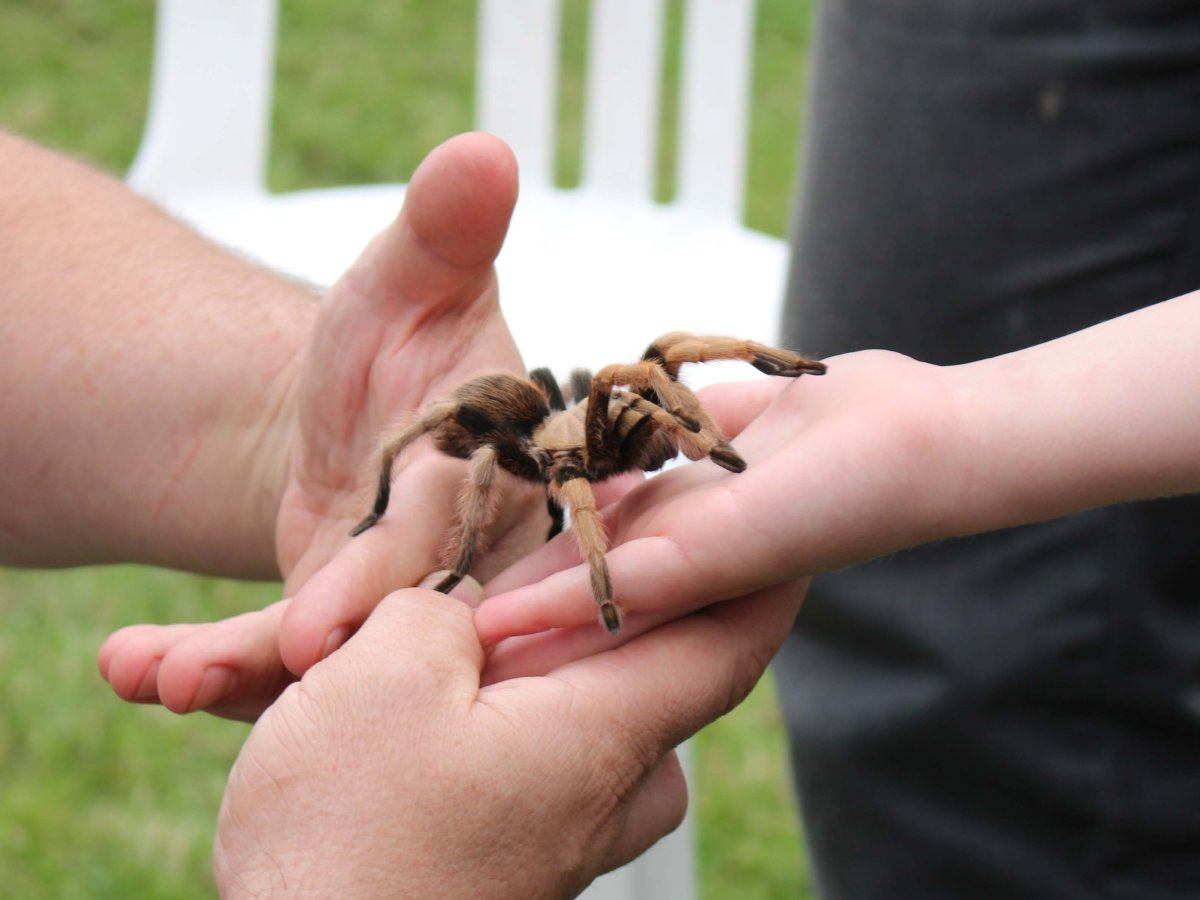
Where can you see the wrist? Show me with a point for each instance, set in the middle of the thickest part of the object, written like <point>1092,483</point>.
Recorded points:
<point>149,384</point>
<point>1020,438</point>
<point>219,511</point>
<point>267,448</point>
<point>1072,424</point>
<point>931,453</point>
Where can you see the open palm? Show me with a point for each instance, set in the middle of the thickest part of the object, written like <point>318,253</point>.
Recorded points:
<point>415,316</point>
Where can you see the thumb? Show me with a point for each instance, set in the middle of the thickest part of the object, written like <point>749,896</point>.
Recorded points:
<point>434,258</point>
<point>453,223</point>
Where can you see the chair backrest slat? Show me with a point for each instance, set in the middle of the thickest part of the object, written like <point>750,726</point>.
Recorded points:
<point>208,123</point>
<point>210,99</point>
<point>516,81</point>
<point>624,81</point>
<point>715,102</point>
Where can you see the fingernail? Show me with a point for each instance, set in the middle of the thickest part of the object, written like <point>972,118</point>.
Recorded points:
<point>336,638</point>
<point>217,684</point>
<point>148,689</point>
<point>469,591</point>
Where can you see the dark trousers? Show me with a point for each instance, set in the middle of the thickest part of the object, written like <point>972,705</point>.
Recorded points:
<point>1017,714</point>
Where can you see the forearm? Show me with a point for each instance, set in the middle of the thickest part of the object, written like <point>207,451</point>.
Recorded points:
<point>1106,415</point>
<point>147,380</point>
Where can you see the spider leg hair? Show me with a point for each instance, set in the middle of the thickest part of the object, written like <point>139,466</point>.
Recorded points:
<point>604,442</point>
<point>601,440</point>
<point>544,379</point>
<point>430,418</point>
<point>678,347</point>
<point>707,441</point>
<point>476,506</point>
<point>672,396</point>
<point>580,384</point>
<point>576,494</point>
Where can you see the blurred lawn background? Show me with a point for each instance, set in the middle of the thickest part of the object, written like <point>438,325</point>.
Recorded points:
<point>101,799</point>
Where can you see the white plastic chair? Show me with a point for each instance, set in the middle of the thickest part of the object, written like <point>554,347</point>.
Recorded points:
<point>688,264</point>
<point>604,246</point>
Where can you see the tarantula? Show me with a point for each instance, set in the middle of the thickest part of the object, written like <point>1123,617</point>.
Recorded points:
<point>525,427</point>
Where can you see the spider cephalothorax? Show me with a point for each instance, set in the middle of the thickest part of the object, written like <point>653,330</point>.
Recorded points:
<point>524,426</point>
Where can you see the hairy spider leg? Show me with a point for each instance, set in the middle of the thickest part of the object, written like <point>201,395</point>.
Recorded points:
<point>674,349</point>
<point>693,429</point>
<point>649,376</point>
<point>605,439</point>
<point>476,506</point>
<point>544,379</point>
<point>430,418</point>
<point>576,494</point>
<point>580,384</point>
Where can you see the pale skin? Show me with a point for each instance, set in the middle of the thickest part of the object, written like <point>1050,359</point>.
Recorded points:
<point>881,454</point>
<point>177,406</point>
<point>224,410</point>
<point>221,418</point>
<point>104,296</point>
<point>227,414</point>
<point>390,770</point>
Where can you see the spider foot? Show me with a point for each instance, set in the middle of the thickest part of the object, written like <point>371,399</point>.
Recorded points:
<point>610,617</point>
<point>364,524</point>
<point>786,364</point>
<point>727,458</point>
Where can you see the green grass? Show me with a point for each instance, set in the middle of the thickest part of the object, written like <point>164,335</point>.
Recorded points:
<point>101,799</point>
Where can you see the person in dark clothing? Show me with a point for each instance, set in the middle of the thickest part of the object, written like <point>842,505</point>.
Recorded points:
<point>1013,715</point>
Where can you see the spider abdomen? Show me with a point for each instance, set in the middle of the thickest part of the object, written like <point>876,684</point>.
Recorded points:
<point>500,411</point>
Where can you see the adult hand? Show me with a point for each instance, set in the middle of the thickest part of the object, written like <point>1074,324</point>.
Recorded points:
<point>415,316</point>
<point>389,770</point>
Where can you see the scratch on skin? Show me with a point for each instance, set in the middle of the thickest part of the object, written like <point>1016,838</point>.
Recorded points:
<point>176,477</point>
